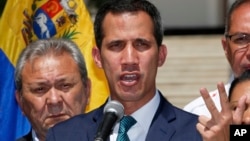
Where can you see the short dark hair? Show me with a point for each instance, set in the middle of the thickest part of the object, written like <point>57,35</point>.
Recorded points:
<point>121,6</point>
<point>245,76</point>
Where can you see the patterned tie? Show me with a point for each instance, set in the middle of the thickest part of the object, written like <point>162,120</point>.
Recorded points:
<point>125,123</point>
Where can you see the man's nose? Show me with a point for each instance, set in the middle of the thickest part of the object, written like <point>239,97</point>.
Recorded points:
<point>54,101</point>
<point>54,96</point>
<point>129,55</point>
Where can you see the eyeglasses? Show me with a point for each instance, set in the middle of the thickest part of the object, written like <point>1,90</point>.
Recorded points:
<point>240,39</point>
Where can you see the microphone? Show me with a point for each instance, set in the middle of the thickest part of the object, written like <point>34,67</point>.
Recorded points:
<point>113,112</point>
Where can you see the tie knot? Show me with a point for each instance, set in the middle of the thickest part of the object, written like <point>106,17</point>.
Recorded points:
<point>125,124</point>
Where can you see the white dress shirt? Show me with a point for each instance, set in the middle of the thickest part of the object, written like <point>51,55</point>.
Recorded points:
<point>144,117</point>
<point>198,105</point>
<point>34,136</point>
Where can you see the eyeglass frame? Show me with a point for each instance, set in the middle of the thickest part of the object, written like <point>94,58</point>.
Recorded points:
<point>244,35</point>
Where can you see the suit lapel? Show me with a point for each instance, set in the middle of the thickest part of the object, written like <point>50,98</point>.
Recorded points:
<point>162,126</point>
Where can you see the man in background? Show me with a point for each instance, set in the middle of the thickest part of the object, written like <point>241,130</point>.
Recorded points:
<point>19,26</point>
<point>52,84</point>
<point>235,45</point>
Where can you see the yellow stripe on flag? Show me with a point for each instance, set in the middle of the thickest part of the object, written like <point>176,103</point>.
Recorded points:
<point>23,22</point>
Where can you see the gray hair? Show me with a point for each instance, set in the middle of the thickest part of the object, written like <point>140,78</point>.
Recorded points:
<point>53,46</point>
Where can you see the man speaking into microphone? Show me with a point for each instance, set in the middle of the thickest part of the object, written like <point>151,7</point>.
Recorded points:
<point>129,48</point>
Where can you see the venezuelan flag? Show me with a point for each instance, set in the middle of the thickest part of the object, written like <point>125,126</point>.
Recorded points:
<point>12,123</point>
<point>23,22</point>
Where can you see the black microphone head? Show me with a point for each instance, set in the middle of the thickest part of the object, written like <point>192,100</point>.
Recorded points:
<point>113,112</point>
<point>114,107</point>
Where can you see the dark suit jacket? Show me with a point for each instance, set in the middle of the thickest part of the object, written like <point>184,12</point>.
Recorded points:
<point>169,124</point>
<point>27,137</point>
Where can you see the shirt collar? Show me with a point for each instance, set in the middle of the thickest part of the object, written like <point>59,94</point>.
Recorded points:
<point>34,136</point>
<point>145,114</point>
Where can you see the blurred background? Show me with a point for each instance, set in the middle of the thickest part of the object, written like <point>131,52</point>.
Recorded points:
<point>193,30</point>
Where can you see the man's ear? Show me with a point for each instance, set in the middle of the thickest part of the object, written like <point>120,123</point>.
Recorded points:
<point>162,55</point>
<point>19,99</point>
<point>88,90</point>
<point>97,56</point>
<point>225,46</point>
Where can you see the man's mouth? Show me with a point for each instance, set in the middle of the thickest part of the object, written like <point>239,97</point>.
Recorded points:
<point>129,79</point>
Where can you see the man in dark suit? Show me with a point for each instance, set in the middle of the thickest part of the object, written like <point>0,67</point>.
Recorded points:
<point>52,84</point>
<point>129,48</point>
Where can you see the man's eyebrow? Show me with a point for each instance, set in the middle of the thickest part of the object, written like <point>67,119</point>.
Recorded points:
<point>142,39</point>
<point>39,82</point>
<point>115,41</point>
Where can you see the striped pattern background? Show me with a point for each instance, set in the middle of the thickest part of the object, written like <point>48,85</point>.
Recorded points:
<point>192,62</point>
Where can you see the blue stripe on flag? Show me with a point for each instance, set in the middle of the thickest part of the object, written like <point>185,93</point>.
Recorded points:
<point>12,123</point>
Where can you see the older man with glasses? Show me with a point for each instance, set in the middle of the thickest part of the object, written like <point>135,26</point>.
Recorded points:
<point>236,48</point>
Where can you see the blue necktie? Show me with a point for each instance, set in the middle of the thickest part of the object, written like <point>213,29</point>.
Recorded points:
<point>125,123</point>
